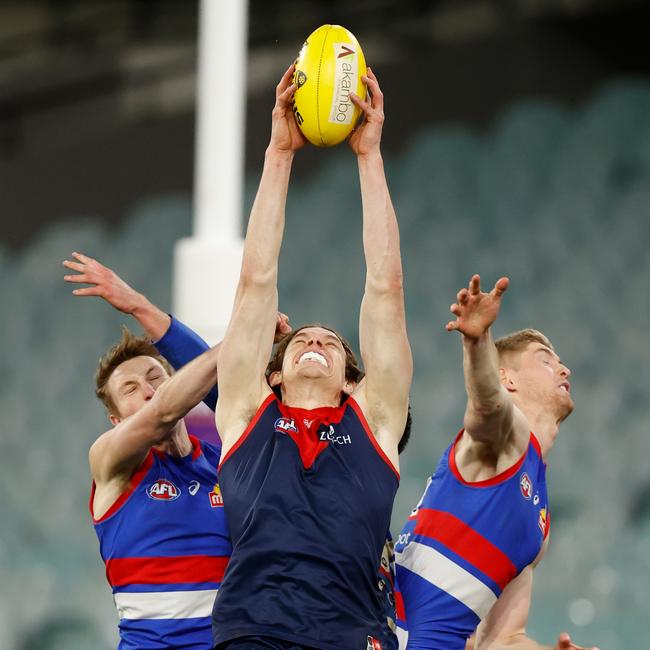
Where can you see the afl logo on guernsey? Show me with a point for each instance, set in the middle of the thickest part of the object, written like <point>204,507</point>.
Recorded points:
<point>284,425</point>
<point>526,486</point>
<point>163,490</point>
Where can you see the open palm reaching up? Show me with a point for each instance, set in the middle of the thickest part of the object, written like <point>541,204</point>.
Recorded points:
<point>476,310</point>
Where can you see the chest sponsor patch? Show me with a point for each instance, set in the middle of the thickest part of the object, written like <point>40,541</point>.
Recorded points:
<point>216,500</point>
<point>526,486</point>
<point>327,433</point>
<point>163,490</point>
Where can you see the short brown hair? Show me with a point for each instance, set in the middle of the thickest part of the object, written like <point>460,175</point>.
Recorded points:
<point>518,341</point>
<point>353,371</point>
<point>128,348</point>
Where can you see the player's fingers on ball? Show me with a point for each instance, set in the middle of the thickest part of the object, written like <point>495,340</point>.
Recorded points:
<point>375,93</point>
<point>285,97</point>
<point>361,103</point>
<point>286,77</point>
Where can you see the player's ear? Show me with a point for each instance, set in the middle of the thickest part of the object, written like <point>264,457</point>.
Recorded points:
<point>275,378</point>
<point>114,419</point>
<point>348,387</point>
<point>507,380</point>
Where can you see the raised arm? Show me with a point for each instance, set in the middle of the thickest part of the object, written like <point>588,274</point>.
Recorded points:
<point>383,339</point>
<point>119,451</point>
<point>246,347</point>
<point>116,292</point>
<point>178,343</point>
<point>490,415</point>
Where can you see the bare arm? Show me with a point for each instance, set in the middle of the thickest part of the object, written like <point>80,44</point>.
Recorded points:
<point>490,416</point>
<point>110,286</point>
<point>504,628</point>
<point>246,347</point>
<point>383,339</point>
<point>119,451</point>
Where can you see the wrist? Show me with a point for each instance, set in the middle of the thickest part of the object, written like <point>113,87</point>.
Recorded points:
<point>153,320</point>
<point>140,306</point>
<point>369,158</point>
<point>276,154</point>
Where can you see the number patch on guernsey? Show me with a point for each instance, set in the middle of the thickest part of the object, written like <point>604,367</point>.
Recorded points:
<point>163,490</point>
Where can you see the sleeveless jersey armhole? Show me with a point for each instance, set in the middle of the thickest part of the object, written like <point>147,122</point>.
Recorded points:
<point>366,427</point>
<point>495,480</point>
<point>135,480</point>
<point>258,414</point>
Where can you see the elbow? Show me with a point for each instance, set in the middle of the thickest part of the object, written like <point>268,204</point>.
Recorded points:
<point>164,413</point>
<point>253,276</point>
<point>386,284</point>
<point>484,419</point>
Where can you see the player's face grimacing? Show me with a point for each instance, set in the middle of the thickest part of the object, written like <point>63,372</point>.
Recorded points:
<point>133,383</point>
<point>543,378</point>
<point>314,353</point>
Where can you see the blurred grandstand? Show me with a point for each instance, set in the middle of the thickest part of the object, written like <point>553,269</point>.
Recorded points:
<point>547,181</point>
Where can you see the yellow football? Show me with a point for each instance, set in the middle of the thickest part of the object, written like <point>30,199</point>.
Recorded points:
<point>328,68</point>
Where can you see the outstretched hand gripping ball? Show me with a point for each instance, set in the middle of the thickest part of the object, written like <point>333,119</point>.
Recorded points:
<point>328,68</point>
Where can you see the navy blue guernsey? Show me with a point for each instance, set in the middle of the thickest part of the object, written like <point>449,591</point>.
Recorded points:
<point>308,497</point>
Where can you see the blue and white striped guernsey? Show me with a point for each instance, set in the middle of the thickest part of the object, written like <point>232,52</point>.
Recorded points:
<point>165,544</point>
<point>463,543</point>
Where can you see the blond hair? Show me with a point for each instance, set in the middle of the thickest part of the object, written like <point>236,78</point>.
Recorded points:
<point>519,341</point>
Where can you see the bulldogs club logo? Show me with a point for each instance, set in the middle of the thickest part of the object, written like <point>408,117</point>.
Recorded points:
<point>541,522</point>
<point>373,644</point>
<point>163,490</point>
<point>285,425</point>
<point>526,486</point>
<point>216,500</point>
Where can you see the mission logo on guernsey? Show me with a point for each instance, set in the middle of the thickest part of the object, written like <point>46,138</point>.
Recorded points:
<point>463,543</point>
<point>166,546</point>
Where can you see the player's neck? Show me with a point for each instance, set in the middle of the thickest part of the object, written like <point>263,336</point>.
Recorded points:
<point>310,395</point>
<point>544,424</point>
<point>179,444</point>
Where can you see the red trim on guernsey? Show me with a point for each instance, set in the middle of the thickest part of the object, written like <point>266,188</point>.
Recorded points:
<point>536,445</point>
<point>373,439</point>
<point>136,479</point>
<point>248,429</point>
<point>165,570</point>
<point>307,422</point>
<point>399,606</point>
<point>548,523</point>
<point>196,446</point>
<point>495,480</point>
<point>463,540</point>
